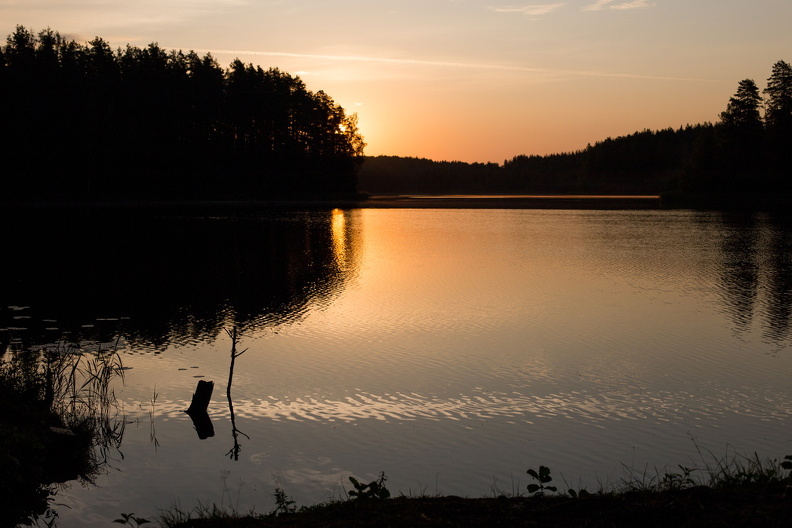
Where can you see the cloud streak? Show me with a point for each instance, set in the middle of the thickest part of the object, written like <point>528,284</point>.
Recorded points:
<point>448,64</point>
<point>104,14</point>
<point>600,5</point>
<point>530,10</point>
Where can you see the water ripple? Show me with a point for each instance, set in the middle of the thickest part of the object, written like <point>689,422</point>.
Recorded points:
<point>583,406</point>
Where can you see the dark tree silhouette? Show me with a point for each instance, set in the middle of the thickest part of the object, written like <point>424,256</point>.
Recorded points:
<point>400,175</point>
<point>85,122</point>
<point>740,160</point>
<point>740,156</point>
<point>743,108</point>
<point>778,119</point>
<point>779,96</point>
<point>646,162</point>
<point>747,158</point>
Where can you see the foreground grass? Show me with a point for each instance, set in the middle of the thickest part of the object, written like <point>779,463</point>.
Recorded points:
<point>57,421</point>
<point>696,507</point>
<point>735,492</point>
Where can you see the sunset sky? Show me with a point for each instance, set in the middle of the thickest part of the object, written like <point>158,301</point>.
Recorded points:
<point>469,80</point>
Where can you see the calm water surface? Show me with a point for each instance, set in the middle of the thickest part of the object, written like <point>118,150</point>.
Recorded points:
<point>452,349</point>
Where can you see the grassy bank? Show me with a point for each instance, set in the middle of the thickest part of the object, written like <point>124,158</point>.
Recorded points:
<point>57,420</point>
<point>736,491</point>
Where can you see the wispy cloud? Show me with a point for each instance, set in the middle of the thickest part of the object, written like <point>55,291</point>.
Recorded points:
<point>112,14</point>
<point>635,4</point>
<point>531,10</point>
<point>447,64</point>
<point>599,5</point>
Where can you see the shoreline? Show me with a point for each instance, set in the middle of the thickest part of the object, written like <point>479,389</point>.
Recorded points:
<point>761,504</point>
<point>719,202</point>
<point>555,201</point>
<point>402,201</point>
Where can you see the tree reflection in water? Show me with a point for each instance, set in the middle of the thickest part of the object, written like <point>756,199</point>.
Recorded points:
<point>233,453</point>
<point>155,279</point>
<point>203,394</point>
<point>160,279</point>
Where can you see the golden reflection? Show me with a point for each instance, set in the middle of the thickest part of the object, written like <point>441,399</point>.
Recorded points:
<point>338,230</point>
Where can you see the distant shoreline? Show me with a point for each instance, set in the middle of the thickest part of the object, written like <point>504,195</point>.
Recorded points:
<point>724,201</point>
<point>412,201</point>
<point>556,201</point>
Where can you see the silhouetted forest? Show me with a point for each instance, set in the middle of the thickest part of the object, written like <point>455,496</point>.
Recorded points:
<point>86,122</point>
<point>748,151</point>
<point>399,175</point>
<point>642,163</point>
<point>744,152</point>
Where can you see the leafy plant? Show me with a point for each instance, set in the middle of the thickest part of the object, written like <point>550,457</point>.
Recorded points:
<point>787,464</point>
<point>579,494</point>
<point>543,477</point>
<point>678,481</point>
<point>283,504</point>
<point>373,490</point>
<point>131,520</point>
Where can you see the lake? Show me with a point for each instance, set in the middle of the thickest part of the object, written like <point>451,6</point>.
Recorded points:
<point>452,349</point>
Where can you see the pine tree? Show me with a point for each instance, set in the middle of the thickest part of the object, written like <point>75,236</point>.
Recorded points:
<point>743,108</point>
<point>779,96</point>
<point>778,117</point>
<point>740,141</point>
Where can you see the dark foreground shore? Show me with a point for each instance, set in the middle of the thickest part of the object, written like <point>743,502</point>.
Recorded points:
<point>765,505</point>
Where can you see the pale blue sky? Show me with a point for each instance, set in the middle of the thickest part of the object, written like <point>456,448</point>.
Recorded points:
<point>468,79</point>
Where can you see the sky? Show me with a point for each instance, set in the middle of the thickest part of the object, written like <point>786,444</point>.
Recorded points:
<point>467,80</point>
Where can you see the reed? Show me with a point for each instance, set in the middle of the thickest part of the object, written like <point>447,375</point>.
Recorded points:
<point>61,421</point>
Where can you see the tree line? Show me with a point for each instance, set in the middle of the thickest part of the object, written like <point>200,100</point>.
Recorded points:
<point>647,162</point>
<point>85,121</point>
<point>748,150</point>
<point>751,148</point>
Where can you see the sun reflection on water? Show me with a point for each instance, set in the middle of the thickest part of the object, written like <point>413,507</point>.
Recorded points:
<point>338,227</point>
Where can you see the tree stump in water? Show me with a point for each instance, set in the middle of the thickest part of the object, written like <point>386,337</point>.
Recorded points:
<point>200,400</point>
<point>197,410</point>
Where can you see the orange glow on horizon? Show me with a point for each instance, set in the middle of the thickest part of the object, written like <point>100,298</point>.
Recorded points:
<point>465,81</point>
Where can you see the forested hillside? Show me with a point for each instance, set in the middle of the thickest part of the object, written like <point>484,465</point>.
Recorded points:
<point>642,163</point>
<point>86,122</point>
<point>399,175</point>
